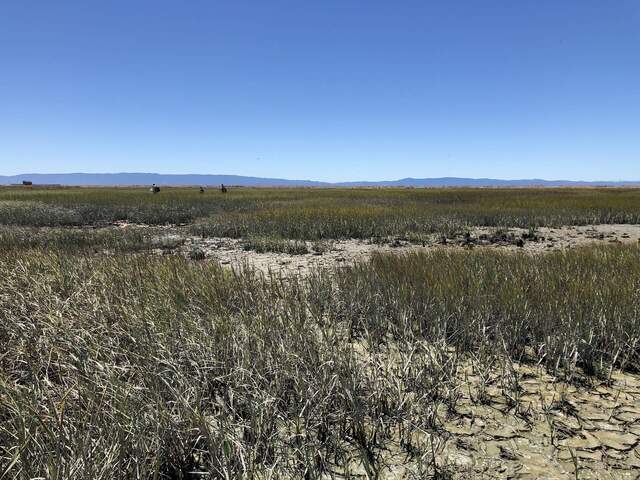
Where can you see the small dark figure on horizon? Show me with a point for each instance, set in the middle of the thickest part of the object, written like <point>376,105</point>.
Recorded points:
<point>223,189</point>
<point>154,189</point>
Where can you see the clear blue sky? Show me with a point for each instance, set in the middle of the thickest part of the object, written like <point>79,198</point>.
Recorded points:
<point>328,90</point>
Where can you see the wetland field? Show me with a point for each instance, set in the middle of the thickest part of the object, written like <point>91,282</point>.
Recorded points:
<point>294,333</point>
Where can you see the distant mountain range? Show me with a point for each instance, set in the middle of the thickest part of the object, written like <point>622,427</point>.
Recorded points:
<point>109,179</point>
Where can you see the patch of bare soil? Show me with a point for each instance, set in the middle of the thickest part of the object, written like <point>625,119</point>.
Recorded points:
<point>524,424</point>
<point>340,252</point>
<point>540,428</point>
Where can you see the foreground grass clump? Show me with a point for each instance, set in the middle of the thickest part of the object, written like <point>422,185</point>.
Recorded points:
<point>156,367</point>
<point>315,214</point>
<point>565,309</point>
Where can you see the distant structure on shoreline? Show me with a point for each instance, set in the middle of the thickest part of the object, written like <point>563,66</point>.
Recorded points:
<point>30,184</point>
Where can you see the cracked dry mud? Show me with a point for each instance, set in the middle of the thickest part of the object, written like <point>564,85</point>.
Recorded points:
<point>551,429</point>
<point>546,430</point>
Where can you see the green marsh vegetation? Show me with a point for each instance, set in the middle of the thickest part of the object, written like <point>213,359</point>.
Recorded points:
<point>313,214</point>
<point>80,239</point>
<point>159,367</point>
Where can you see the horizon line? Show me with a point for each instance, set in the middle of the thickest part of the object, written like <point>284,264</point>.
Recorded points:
<point>521,179</point>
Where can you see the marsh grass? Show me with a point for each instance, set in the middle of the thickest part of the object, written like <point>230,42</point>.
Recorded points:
<point>275,245</point>
<point>313,214</point>
<point>159,367</point>
<point>566,309</point>
<point>86,239</point>
<point>99,206</point>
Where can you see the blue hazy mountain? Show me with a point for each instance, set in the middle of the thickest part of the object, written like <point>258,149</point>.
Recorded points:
<point>107,179</point>
<point>123,179</point>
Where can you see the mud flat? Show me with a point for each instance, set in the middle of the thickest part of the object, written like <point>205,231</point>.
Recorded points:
<point>232,252</point>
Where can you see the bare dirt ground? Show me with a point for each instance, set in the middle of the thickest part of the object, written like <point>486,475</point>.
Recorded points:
<point>230,252</point>
<point>539,428</point>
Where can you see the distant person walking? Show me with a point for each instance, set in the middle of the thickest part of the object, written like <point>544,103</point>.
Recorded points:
<point>223,189</point>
